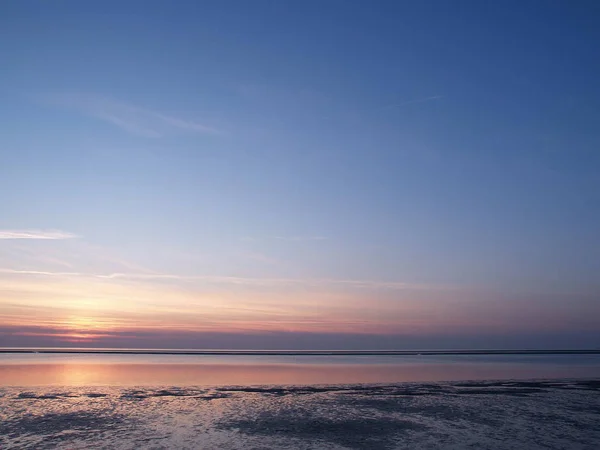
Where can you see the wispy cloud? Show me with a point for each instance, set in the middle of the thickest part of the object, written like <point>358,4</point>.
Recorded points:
<point>36,234</point>
<point>300,238</point>
<point>286,238</point>
<point>410,102</point>
<point>247,281</point>
<point>131,118</point>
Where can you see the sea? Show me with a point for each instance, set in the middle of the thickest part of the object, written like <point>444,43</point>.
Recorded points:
<point>298,400</point>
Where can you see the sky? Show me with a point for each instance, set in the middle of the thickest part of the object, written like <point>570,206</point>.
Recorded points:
<point>300,174</point>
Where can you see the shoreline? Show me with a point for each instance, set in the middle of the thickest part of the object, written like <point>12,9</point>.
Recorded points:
<point>114,351</point>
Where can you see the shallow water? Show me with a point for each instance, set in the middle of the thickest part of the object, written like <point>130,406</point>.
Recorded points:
<point>492,415</point>
<point>182,370</point>
<point>299,402</point>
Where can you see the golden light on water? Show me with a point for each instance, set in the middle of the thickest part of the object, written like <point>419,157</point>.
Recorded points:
<point>88,370</point>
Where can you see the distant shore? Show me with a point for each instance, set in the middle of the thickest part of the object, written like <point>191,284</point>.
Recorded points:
<point>118,351</point>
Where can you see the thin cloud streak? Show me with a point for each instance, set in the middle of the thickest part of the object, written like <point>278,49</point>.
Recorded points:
<point>300,238</point>
<point>133,119</point>
<point>286,238</point>
<point>36,234</point>
<point>267,282</point>
<point>411,102</point>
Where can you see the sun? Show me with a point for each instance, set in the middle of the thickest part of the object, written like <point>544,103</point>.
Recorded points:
<point>81,323</point>
<point>84,328</point>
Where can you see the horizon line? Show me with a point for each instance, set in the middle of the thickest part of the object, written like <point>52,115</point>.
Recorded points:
<point>255,352</point>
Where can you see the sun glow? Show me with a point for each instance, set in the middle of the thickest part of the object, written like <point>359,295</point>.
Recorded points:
<point>78,328</point>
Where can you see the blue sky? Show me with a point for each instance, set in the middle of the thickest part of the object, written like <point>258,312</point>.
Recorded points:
<point>424,168</point>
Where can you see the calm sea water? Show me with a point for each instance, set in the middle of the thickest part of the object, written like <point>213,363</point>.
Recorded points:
<point>79,401</point>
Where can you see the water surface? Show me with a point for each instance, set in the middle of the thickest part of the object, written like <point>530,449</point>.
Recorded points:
<point>132,401</point>
<point>73,369</point>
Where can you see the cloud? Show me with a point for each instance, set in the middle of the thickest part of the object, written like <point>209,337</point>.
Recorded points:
<point>126,336</point>
<point>247,281</point>
<point>36,234</point>
<point>410,102</point>
<point>286,238</point>
<point>133,119</point>
<point>300,238</point>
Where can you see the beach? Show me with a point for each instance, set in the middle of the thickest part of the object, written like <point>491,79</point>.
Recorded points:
<point>79,401</point>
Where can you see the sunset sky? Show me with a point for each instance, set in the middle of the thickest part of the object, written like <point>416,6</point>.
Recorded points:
<point>300,174</point>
